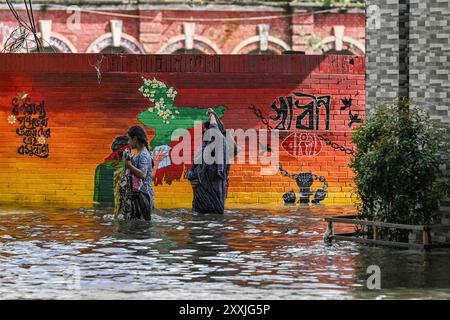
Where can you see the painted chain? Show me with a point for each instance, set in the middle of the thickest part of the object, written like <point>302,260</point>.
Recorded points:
<point>336,146</point>
<point>327,141</point>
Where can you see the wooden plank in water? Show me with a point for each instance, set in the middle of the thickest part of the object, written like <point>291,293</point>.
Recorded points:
<point>434,227</point>
<point>340,237</point>
<point>437,246</point>
<point>375,223</point>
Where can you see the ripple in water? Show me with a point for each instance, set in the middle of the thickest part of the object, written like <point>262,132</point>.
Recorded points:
<point>245,254</point>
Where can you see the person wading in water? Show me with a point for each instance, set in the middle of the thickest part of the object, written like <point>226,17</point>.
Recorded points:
<point>209,179</point>
<point>134,192</point>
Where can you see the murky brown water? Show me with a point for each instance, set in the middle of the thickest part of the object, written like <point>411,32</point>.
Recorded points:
<point>245,254</point>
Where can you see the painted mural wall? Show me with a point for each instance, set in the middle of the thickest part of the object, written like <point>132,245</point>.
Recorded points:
<point>63,119</point>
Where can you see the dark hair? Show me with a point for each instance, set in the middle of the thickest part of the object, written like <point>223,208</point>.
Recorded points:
<point>119,142</point>
<point>139,133</point>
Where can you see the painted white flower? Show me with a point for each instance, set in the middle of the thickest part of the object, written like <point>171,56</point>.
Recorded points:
<point>172,95</point>
<point>150,109</point>
<point>173,117</point>
<point>41,140</point>
<point>12,119</point>
<point>177,112</point>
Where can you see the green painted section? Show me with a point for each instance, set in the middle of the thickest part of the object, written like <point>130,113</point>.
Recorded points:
<point>104,184</point>
<point>185,120</point>
<point>164,116</point>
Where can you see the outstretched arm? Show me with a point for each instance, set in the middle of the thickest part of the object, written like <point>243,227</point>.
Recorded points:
<point>212,116</point>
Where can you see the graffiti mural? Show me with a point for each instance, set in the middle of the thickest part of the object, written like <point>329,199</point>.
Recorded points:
<point>304,181</point>
<point>164,117</point>
<point>104,173</point>
<point>289,197</point>
<point>309,117</point>
<point>302,144</point>
<point>354,118</point>
<point>32,123</point>
<point>299,136</point>
<point>284,115</point>
<point>306,144</point>
<point>347,103</point>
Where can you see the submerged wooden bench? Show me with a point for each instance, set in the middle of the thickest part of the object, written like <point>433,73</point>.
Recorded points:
<point>354,220</point>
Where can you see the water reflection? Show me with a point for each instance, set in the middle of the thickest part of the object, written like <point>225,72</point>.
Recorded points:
<point>256,253</point>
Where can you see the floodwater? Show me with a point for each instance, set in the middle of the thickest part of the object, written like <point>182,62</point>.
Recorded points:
<point>245,254</point>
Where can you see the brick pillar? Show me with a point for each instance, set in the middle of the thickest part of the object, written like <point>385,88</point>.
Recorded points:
<point>408,54</point>
<point>382,53</point>
<point>302,30</point>
<point>150,31</point>
<point>403,50</point>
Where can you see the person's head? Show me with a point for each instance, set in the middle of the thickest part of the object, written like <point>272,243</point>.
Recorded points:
<point>206,126</point>
<point>137,137</point>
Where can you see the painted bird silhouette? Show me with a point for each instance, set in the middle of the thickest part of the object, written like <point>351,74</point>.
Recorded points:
<point>347,103</point>
<point>354,118</point>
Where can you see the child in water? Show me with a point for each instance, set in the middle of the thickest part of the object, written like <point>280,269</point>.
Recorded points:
<point>134,192</point>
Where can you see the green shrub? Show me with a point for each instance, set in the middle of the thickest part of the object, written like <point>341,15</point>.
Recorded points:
<point>396,165</point>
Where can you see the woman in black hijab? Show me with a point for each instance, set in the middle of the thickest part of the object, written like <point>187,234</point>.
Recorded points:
<point>209,173</point>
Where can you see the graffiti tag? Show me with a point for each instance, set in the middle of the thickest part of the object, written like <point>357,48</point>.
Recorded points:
<point>33,126</point>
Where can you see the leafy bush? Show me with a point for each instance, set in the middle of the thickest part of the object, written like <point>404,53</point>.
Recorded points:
<point>397,175</point>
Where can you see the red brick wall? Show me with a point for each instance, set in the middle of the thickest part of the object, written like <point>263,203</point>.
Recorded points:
<point>86,113</point>
<point>153,29</point>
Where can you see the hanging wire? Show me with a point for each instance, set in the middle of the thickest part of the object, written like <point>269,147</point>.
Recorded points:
<point>24,38</point>
<point>97,68</point>
<point>142,17</point>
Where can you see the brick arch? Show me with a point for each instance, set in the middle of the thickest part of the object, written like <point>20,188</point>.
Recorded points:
<point>200,43</point>
<point>329,43</point>
<point>61,43</point>
<point>126,41</point>
<point>274,44</point>
<point>57,41</point>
